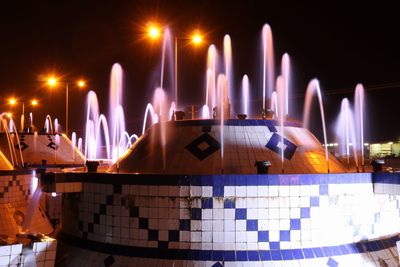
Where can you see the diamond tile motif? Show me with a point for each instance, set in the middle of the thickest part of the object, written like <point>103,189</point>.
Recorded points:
<point>203,146</point>
<point>276,145</point>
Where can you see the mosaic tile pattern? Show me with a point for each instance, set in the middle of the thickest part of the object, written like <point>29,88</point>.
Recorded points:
<point>15,189</point>
<point>285,217</point>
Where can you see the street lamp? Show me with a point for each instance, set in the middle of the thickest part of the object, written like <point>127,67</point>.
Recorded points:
<point>154,32</point>
<point>53,82</point>
<point>196,39</point>
<point>13,102</point>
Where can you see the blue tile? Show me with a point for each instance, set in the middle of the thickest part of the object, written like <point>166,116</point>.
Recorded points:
<point>253,255</point>
<point>207,203</point>
<point>218,191</point>
<point>295,180</point>
<point>323,179</point>
<point>318,252</point>
<point>304,213</point>
<point>229,203</point>
<point>265,255</point>
<point>360,248</point>
<point>273,145</point>
<point>152,235</point>
<point>332,263</point>
<point>287,254</point>
<point>305,180</point>
<point>343,250</point>
<point>263,236</point>
<point>284,179</point>
<point>327,251</point>
<point>295,224</point>
<point>308,253</point>
<point>284,235</point>
<point>195,214</point>
<point>241,180</point>
<point>297,254</point>
<point>240,214</point>
<point>207,180</point>
<point>262,179</point>
<point>205,255</point>
<point>273,179</point>
<point>173,235</point>
<point>314,201</point>
<point>230,180</point>
<point>251,225</point>
<point>217,264</point>
<point>276,255</point>
<point>213,146</point>
<point>379,244</point>
<point>143,223</point>
<point>351,248</point>
<point>336,250</point>
<point>241,255</point>
<point>217,255</point>
<point>229,255</point>
<point>323,190</point>
<point>274,245</point>
<point>252,180</point>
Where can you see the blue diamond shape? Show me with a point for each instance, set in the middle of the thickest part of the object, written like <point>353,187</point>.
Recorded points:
<point>273,145</point>
<point>332,263</point>
<point>213,145</point>
<point>217,264</point>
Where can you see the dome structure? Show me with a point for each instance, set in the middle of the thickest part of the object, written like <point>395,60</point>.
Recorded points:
<point>195,147</point>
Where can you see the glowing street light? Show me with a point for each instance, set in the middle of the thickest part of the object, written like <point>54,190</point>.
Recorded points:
<point>197,39</point>
<point>52,82</point>
<point>12,101</point>
<point>154,32</point>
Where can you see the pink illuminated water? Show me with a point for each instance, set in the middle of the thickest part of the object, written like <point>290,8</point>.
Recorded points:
<point>313,88</point>
<point>345,131</point>
<point>212,58</point>
<point>228,66</point>
<point>285,72</point>
<point>268,63</point>
<point>281,93</point>
<point>359,97</point>
<point>245,95</point>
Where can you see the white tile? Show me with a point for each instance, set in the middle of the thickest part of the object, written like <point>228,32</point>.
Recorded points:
<point>241,191</point>
<point>251,191</point>
<point>229,225</point>
<point>218,203</point>
<point>252,214</point>
<point>262,214</point>
<point>206,225</point>
<point>262,191</point>
<point>274,235</point>
<point>274,224</point>
<point>251,202</point>
<point>241,225</point>
<point>207,191</point>
<point>241,237</point>
<point>218,225</point>
<point>229,191</point>
<point>207,214</point>
<point>206,237</point>
<point>218,214</point>
<point>229,214</point>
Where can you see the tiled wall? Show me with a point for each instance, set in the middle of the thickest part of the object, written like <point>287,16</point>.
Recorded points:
<point>40,254</point>
<point>15,188</point>
<point>232,213</point>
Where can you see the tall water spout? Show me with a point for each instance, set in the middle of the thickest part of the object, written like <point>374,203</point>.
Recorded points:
<point>359,118</point>
<point>281,92</point>
<point>167,56</point>
<point>274,104</point>
<point>285,72</point>
<point>222,89</point>
<point>245,95</point>
<point>268,63</point>
<point>346,132</point>
<point>212,58</point>
<point>312,89</point>
<point>228,66</point>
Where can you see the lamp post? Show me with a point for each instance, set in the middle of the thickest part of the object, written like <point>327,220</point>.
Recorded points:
<point>13,102</point>
<point>52,82</point>
<point>196,39</point>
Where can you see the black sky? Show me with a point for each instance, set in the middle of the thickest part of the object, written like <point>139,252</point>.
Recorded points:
<point>339,44</point>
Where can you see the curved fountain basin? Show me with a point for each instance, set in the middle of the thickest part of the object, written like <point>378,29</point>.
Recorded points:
<point>314,218</point>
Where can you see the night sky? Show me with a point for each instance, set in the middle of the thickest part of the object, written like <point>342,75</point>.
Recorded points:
<point>341,45</point>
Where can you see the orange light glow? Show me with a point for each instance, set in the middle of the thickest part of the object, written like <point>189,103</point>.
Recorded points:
<point>34,102</point>
<point>81,83</point>
<point>197,39</point>
<point>153,32</point>
<point>12,101</point>
<point>52,81</point>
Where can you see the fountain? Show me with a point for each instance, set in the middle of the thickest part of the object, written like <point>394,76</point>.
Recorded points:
<point>187,192</point>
